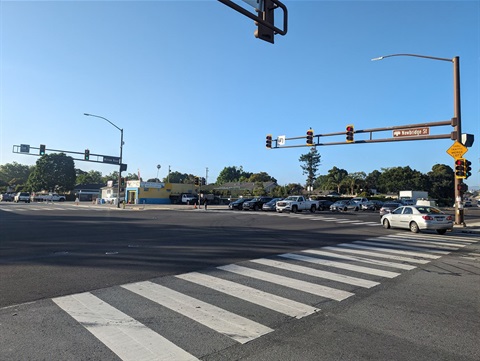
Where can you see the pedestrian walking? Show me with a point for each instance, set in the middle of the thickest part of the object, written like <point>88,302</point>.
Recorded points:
<point>205,203</point>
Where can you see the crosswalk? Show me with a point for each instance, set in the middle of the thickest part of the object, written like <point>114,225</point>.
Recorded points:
<point>238,303</point>
<point>47,207</point>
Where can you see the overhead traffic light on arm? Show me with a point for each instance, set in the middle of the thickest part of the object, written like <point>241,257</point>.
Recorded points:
<point>460,168</point>
<point>197,181</point>
<point>42,149</point>
<point>268,142</point>
<point>263,32</point>
<point>349,130</point>
<point>310,136</point>
<point>87,154</point>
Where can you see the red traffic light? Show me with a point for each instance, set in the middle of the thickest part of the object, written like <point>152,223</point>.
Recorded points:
<point>349,130</point>
<point>310,136</point>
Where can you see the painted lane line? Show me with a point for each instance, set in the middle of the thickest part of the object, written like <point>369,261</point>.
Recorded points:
<point>253,295</point>
<point>365,260</point>
<point>126,337</point>
<point>317,273</point>
<point>323,291</point>
<point>350,267</point>
<point>227,323</point>
<point>398,245</point>
<point>342,248</point>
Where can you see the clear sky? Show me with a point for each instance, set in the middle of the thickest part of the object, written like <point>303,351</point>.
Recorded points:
<point>194,89</point>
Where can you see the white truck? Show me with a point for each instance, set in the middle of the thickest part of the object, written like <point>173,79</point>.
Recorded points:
<point>411,197</point>
<point>188,198</point>
<point>296,204</point>
<point>50,197</point>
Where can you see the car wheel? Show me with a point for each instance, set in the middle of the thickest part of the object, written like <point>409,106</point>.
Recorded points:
<point>313,209</point>
<point>345,209</point>
<point>255,208</point>
<point>294,209</point>
<point>414,227</point>
<point>441,231</point>
<point>356,209</point>
<point>386,224</point>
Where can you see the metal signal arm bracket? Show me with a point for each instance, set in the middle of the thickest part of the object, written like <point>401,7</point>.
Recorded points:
<point>258,18</point>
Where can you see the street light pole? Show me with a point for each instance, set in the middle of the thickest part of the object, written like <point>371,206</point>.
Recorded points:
<point>457,122</point>
<point>121,154</point>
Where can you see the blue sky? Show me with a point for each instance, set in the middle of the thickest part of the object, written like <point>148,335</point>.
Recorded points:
<point>194,89</point>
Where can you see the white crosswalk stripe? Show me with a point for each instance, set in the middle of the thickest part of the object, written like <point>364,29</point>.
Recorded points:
<point>250,283</point>
<point>128,338</point>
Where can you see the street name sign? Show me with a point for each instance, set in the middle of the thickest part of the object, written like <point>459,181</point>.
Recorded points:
<point>111,160</point>
<point>413,132</point>
<point>457,150</point>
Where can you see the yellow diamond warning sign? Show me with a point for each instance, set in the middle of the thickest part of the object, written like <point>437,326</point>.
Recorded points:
<point>457,150</point>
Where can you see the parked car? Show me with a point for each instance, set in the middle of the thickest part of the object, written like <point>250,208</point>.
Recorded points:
<point>372,205</point>
<point>256,203</point>
<point>324,205</point>
<point>6,197</point>
<point>388,207</point>
<point>418,218</point>
<point>22,197</point>
<point>238,204</point>
<point>339,206</point>
<point>271,205</point>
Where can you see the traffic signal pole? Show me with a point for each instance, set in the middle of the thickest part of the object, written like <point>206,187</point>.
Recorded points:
<point>459,211</point>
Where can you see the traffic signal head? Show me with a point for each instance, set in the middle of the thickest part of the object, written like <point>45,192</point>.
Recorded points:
<point>349,130</point>
<point>268,143</point>
<point>42,149</point>
<point>267,14</point>
<point>87,154</point>
<point>468,168</point>
<point>310,136</point>
<point>197,181</point>
<point>460,168</point>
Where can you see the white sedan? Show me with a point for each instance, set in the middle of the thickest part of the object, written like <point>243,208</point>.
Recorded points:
<point>417,218</point>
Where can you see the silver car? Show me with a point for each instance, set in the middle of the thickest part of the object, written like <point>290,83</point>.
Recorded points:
<point>418,218</point>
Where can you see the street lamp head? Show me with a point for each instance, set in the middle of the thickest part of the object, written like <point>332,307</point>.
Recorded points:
<point>379,58</point>
<point>86,114</point>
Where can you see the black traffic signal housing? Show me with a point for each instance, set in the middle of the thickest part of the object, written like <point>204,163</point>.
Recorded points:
<point>310,136</point>
<point>462,187</point>
<point>122,182</point>
<point>86,156</point>
<point>460,168</point>
<point>268,142</point>
<point>42,149</point>
<point>263,32</point>
<point>349,130</point>
<point>468,168</point>
<point>197,181</point>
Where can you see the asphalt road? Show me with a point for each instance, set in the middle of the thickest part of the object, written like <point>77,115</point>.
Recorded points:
<point>151,271</point>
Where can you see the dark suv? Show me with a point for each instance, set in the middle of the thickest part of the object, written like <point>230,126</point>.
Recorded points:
<point>256,203</point>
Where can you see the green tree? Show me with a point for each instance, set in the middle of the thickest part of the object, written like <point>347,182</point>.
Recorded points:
<point>261,177</point>
<point>14,174</point>
<point>441,179</point>
<point>233,174</point>
<point>53,172</point>
<point>91,177</point>
<point>336,178</point>
<point>371,181</point>
<point>354,181</point>
<point>311,162</point>
<point>259,190</point>
<point>393,180</point>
